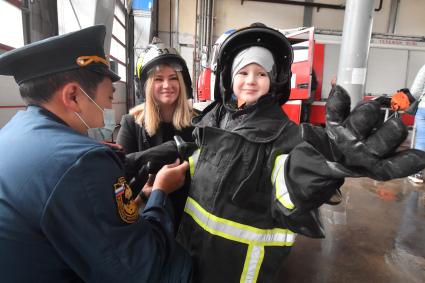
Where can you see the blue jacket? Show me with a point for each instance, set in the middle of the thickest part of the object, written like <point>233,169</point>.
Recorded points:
<point>63,215</point>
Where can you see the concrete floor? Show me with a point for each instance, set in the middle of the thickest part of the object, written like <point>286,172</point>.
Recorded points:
<point>377,234</point>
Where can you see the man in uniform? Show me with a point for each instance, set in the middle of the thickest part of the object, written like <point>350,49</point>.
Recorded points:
<point>66,211</point>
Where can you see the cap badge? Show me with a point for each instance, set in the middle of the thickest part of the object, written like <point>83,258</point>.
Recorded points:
<point>83,61</point>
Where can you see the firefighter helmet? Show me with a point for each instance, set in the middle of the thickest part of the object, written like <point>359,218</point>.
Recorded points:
<point>216,48</point>
<point>255,35</point>
<point>157,53</point>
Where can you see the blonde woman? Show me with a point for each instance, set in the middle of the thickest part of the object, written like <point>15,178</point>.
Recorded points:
<point>166,87</point>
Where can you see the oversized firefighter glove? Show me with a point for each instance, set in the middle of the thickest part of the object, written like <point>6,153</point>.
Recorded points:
<point>359,144</point>
<point>159,156</point>
<point>185,149</point>
<point>136,164</point>
<point>119,151</point>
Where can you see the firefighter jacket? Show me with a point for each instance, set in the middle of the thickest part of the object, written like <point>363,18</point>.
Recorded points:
<point>249,196</point>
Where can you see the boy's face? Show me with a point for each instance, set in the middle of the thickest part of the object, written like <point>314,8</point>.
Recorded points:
<point>250,83</point>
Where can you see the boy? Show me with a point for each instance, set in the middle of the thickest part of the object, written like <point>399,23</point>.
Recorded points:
<point>258,178</point>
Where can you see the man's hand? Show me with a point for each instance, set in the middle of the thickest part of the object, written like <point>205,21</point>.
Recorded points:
<point>171,177</point>
<point>144,194</point>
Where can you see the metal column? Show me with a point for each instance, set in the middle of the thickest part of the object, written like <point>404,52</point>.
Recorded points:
<point>104,14</point>
<point>40,21</point>
<point>392,20</point>
<point>354,52</point>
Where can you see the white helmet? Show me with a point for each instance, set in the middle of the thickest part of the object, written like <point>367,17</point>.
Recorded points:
<point>157,53</point>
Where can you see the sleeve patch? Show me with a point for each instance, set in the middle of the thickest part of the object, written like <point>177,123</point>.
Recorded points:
<point>127,208</point>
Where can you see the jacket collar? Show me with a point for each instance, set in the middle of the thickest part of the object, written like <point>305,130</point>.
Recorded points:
<point>263,124</point>
<point>43,111</point>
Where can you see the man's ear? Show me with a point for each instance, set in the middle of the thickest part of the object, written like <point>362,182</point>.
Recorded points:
<point>71,96</point>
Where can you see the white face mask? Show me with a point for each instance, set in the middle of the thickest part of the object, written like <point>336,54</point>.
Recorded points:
<point>104,133</point>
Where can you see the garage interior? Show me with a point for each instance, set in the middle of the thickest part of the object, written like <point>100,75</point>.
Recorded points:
<point>377,232</point>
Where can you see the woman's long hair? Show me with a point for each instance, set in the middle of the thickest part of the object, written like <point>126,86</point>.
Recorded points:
<point>147,114</point>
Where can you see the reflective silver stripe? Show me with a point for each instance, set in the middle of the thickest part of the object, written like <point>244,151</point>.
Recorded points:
<point>278,181</point>
<point>193,159</point>
<point>253,261</point>
<point>236,231</point>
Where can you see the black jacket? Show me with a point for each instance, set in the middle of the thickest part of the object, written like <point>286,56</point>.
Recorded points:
<point>134,138</point>
<point>236,211</point>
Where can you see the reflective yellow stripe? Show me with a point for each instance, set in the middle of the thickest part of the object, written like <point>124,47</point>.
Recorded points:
<point>278,181</point>
<point>193,159</point>
<point>253,261</point>
<point>238,232</point>
<point>255,238</point>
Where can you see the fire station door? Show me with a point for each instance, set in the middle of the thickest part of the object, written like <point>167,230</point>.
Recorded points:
<point>302,73</point>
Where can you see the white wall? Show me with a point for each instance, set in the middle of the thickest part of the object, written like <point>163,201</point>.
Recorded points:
<point>389,69</point>
<point>85,12</point>
<point>119,102</point>
<point>10,101</point>
<point>330,67</point>
<point>400,68</point>
<point>411,18</point>
<point>232,14</point>
<point>11,25</point>
<point>415,62</point>
<point>386,70</point>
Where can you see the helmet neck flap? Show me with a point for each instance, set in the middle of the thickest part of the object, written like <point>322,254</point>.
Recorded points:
<point>263,36</point>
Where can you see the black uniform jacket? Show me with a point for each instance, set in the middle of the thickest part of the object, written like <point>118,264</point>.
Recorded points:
<point>236,226</point>
<point>134,138</point>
